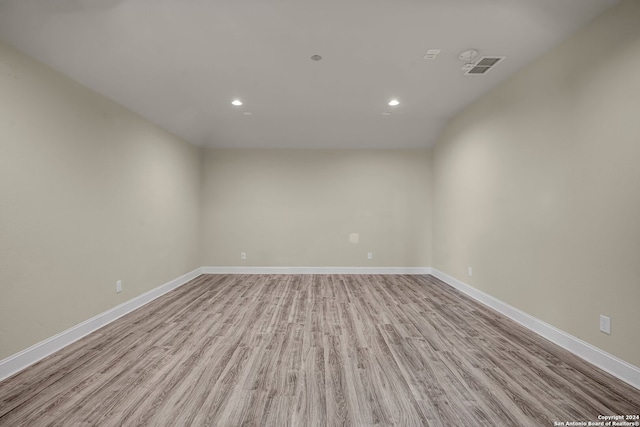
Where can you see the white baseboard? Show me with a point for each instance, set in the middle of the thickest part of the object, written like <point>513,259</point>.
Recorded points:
<point>603,360</point>
<point>316,270</point>
<point>39,351</point>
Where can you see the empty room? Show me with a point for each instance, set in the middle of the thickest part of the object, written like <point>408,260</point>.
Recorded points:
<point>319,213</point>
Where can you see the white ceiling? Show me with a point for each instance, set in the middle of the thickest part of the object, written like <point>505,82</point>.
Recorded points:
<point>180,63</point>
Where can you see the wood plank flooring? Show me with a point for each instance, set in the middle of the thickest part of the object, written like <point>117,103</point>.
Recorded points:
<point>312,350</point>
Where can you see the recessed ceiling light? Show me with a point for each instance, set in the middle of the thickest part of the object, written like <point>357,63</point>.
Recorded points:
<point>316,57</point>
<point>236,102</point>
<point>394,102</point>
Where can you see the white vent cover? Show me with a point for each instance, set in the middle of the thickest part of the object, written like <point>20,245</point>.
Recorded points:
<point>484,65</point>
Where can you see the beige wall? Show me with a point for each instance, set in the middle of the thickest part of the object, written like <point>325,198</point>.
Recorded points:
<point>89,193</point>
<point>537,187</point>
<point>298,208</point>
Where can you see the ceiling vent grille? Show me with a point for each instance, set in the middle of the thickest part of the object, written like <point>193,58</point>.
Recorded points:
<point>485,64</point>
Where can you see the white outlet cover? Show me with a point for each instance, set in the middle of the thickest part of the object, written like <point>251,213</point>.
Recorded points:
<point>605,324</point>
<point>243,255</point>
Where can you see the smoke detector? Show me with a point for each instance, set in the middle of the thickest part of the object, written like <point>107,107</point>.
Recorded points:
<point>468,56</point>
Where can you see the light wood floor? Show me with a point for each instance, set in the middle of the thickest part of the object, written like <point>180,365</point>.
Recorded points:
<point>306,350</point>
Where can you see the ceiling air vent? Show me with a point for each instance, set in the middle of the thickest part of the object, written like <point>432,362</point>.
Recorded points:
<point>485,64</point>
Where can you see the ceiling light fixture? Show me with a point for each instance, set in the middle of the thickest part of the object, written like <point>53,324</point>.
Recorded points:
<point>236,102</point>
<point>394,102</point>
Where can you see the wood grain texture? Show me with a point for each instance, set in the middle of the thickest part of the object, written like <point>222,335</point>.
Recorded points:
<point>312,350</point>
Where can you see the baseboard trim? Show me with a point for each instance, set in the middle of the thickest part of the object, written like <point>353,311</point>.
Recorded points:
<point>316,270</point>
<point>603,360</point>
<point>17,362</point>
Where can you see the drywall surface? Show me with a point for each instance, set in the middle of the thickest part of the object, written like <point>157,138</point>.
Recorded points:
<point>321,208</point>
<point>537,187</point>
<point>90,193</point>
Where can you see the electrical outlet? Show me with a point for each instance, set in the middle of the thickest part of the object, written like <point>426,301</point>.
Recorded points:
<point>243,255</point>
<point>470,271</point>
<point>605,324</point>
<point>118,286</point>
<point>369,255</point>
